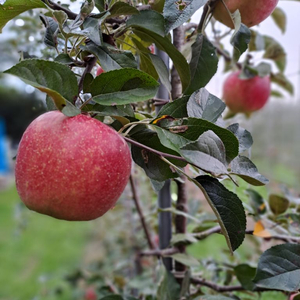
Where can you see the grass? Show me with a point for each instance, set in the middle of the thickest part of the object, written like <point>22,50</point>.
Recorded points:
<point>36,251</point>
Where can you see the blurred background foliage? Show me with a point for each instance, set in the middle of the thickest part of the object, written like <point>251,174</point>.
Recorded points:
<point>45,259</point>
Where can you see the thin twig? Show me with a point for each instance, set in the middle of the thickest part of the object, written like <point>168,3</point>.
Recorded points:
<point>216,287</point>
<point>133,142</point>
<point>204,234</point>
<point>136,200</point>
<point>160,253</point>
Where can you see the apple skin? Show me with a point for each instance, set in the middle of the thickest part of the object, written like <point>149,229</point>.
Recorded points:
<point>71,168</point>
<point>246,95</point>
<point>99,71</point>
<point>252,12</point>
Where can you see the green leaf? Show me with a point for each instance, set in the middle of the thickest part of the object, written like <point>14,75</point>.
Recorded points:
<point>153,64</point>
<point>150,20</point>
<point>186,259</point>
<point>279,268</point>
<point>208,154</point>
<point>204,105</point>
<point>64,59</point>
<point>283,82</point>
<point>112,297</point>
<point>203,65</point>
<point>257,202</point>
<point>168,289</point>
<point>243,167</point>
<point>227,207</point>
<point>70,110</point>
<point>275,52</point>
<point>278,204</point>
<point>50,38</point>
<point>118,110</point>
<point>165,45</point>
<point>243,135</point>
<point>279,18</point>
<point>176,108</point>
<point>245,275</point>
<point>91,27</point>
<point>53,78</point>
<point>178,12</point>
<point>194,128</point>
<point>154,167</point>
<point>240,38</point>
<point>122,9</point>
<point>257,42</point>
<point>100,4</point>
<point>111,61</point>
<point>146,65</point>
<point>161,70</point>
<point>123,86</point>
<point>185,285</point>
<point>12,8</point>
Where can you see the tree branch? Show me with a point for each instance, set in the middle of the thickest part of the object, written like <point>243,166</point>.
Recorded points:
<point>56,6</point>
<point>180,220</point>
<point>136,200</point>
<point>178,40</point>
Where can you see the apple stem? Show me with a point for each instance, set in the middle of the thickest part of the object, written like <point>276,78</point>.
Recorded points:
<point>145,122</point>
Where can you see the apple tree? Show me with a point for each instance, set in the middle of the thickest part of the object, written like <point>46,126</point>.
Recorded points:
<point>174,126</point>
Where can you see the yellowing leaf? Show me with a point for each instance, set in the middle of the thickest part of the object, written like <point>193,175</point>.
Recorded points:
<point>259,230</point>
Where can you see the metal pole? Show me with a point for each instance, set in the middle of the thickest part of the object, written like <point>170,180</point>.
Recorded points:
<point>164,195</point>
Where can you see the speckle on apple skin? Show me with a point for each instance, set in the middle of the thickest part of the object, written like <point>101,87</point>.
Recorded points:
<point>71,168</point>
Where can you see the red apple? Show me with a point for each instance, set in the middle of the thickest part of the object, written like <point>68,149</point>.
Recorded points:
<point>294,296</point>
<point>71,168</point>
<point>246,95</point>
<point>90,294</point>
<point>152,48</point>
<point>99,71</point>
<point>252,12</point>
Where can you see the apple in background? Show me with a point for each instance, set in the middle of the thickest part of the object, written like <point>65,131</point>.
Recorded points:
<point>252,12</point>
<point>152,49</point>
<point>246,95</point>
<point>294,296</point>
<point>71,168</point>
<point>90,294</point>
<point>99,71</point>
